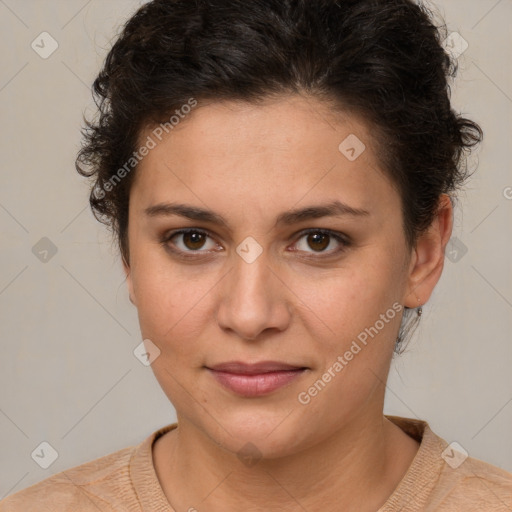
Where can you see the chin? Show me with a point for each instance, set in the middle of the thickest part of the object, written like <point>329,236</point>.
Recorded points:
<point>267,435</point>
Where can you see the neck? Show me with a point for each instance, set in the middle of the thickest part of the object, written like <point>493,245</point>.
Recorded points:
<point>358,467</point>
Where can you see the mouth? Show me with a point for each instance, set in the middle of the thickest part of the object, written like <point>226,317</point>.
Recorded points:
<point>252,380</point>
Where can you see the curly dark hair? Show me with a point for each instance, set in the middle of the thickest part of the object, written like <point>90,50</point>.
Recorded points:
<point>380,59</point>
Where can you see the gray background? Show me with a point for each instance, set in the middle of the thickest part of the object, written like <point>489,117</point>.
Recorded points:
<point>68,375</point>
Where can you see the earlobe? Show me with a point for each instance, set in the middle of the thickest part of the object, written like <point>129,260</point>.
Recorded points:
<point>427,261</point>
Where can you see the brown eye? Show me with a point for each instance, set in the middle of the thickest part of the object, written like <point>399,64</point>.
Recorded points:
<point>189,241</point>
<point>318,240</point>
<point>194,240</point>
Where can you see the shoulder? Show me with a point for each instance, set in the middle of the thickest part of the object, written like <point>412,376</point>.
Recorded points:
<point>444,478</point>
<point>476,485</point>
<point>95,485</point>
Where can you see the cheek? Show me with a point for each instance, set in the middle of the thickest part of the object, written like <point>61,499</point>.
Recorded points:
<point>172,304</point>
<point>357,303</point>
<point>353,340</point>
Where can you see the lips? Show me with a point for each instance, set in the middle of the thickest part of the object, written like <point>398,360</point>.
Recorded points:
<point>257,379</point>
<point>254,368</point>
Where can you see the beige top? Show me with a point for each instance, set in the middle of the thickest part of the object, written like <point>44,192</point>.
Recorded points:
<point>126,481</point>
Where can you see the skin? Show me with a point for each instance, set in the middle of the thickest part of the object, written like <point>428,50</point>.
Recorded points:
<point>249,163</point>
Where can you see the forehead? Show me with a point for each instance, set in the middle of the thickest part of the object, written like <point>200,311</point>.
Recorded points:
<point>283,151</point>
<point>283,123</point>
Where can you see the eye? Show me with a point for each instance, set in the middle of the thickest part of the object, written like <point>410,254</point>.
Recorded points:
<point>195,242</point>
<point>192,241</point>
<point>320,239</point>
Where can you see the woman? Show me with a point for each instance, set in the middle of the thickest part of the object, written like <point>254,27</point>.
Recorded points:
<point>279,175</point>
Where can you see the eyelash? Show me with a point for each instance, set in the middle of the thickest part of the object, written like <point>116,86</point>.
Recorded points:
<point>342,239</point>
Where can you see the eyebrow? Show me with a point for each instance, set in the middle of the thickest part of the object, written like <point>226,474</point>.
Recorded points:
<point>333,209</point>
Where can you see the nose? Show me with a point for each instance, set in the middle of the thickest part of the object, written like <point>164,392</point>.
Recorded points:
<point>253,299</point>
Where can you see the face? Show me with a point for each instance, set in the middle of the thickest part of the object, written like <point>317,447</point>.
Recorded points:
<point>263,284</point>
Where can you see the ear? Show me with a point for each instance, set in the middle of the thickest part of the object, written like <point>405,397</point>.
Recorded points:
<point>427,260</point>
<point>129,282</point>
